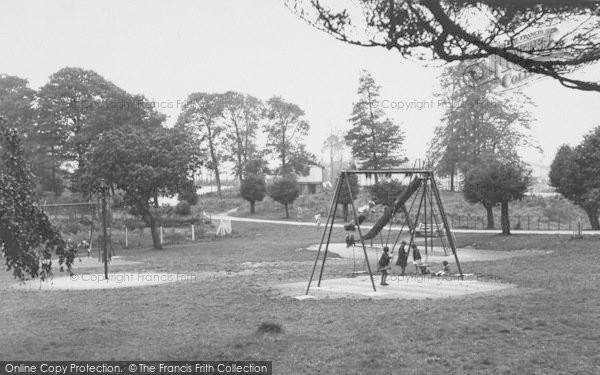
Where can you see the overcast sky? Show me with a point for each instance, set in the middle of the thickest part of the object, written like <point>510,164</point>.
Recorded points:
<point>168,49</point>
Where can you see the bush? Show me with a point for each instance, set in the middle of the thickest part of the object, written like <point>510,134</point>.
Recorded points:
<point>285,191</point>
<point>183,208</point>
<point>188,193</point>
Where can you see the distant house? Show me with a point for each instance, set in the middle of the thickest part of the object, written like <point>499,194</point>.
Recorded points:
<point>313,182</point>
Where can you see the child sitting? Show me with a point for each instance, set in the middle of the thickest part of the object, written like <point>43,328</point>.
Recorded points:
<point>445,271</point>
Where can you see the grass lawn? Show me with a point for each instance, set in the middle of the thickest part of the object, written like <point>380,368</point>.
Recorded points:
<point>550,326</point>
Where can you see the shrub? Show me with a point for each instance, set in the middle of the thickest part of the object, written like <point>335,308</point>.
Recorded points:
<point>188,193</point>
<point>253,189</point>
<point>285,191</point>
<point>183,208</point>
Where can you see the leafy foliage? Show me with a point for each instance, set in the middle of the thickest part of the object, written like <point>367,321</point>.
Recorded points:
<point>575,174</point>
<point>284,190</point>
<point>200,117</point>
<point>241,116</point>
<point>285,130</point>
<point>374,140</point>
<point>142,164</point>
<point>183,208</point>
<point>444,29</point>
<point>494,182</point>
<point>478,123</point>
<point>253,189</point>
<point>386,191</point>
<point>187,192</point>
<point>27,237</point>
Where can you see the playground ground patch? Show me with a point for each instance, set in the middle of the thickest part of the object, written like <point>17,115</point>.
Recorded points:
<point>400,287</point>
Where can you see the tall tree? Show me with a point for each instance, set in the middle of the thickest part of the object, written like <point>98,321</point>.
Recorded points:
<point>27,238</point>
<point>285,130</point>
<point>17,107</point>
<point>445,30</point>
<point>574,172</point>
<point>375,141</point>
<point>67,106</point>
<point>17,104</point>
<point>478,122</point>
<point>241,116</point>
<point>334,145</point>
<point>494,182</point>
<point>141,162</point>
<point>202,113</point>
<point>78,105</point>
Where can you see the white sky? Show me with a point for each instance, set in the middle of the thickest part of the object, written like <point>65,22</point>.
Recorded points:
<point>168,49</point>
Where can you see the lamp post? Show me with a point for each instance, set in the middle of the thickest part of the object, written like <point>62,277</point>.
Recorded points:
<point>103,190</point>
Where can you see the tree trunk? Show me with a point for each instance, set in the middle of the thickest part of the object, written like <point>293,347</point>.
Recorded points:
<point>592,213</point>
<point>215,160</point>
<point>252,207</point>
<point>490,216</point>
<point>452,178</point>
<point>287,212</point>
<point>156,200</point>
<point>151,222</point>
<point>345,210</point>
<point>504,218</point>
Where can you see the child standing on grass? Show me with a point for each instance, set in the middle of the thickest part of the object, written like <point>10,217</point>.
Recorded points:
<point>318,220</point>
<point>384,265</point>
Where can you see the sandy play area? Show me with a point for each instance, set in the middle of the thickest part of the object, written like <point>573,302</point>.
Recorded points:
<point>411,286</point>
<point>400,287</point>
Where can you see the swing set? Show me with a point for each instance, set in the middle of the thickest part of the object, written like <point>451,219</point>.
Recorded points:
<point>430,219</point>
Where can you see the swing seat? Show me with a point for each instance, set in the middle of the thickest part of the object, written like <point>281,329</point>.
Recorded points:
<point>420,231</point>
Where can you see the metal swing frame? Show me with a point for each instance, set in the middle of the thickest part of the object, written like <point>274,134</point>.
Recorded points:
<point>425,174</point>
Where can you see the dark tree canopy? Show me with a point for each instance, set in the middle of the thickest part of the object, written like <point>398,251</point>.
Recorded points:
<point>285,129</point>
<point>459,30</point>
<point>386,191</point>
<point>478,123</point>
<point>575,172</point>
<point>376,142</point>
<point>493,182</point>
<point>27,237</point>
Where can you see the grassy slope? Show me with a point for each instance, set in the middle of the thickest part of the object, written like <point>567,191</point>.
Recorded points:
<point>550,327</point>
<point>552,208</point>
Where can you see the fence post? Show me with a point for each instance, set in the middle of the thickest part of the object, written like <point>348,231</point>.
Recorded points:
<point>161,234</point>
<point>193,234</point>
<point>569,222</point>
<point>126,240</point>
<point>527,222</point>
